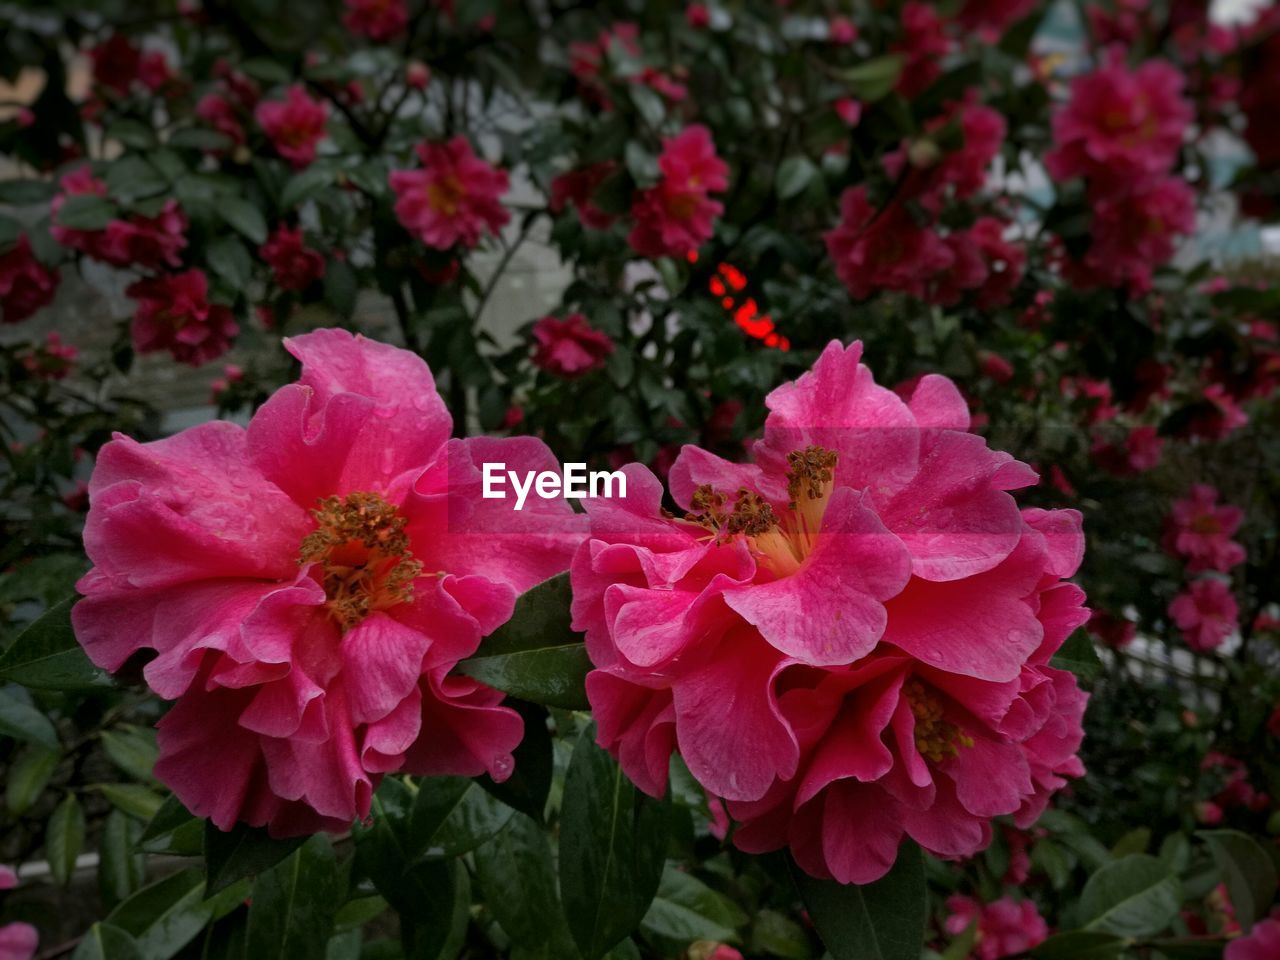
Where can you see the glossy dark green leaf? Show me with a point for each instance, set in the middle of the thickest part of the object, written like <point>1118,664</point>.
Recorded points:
<point>436,929</point>
<point>243,217</point>
<point>294,902</point>
<point>872,79</point>
<point>612,845</point>
<point>131,178</point>
<point>132,133</point>
<point>794,174</point>
<point>63,838</point>
<point>535,655</point>
<point>1078,655</point>
<point>103,941</point>
<point>527,787</point>
<point>242,852</point>
<point>173,830</point>
<point>27,777</point>
<point>686,909</point>
<point>46,655</point>
<point>452,815</point>
<point>166,915</point>
<point>1247,870</point>
<point>25,192</point>
<point>120,866</point>
<point>302,186</point>
<point>229,258</point>
<point>341,287</point>
<point>883,920</point>
<point>1134,897</point>
<point>132,749</point>
<point>86,211</point>
<point>1080,945</point>
<point>20,720</point>
<point>132,798</point>
<point>517,874</point>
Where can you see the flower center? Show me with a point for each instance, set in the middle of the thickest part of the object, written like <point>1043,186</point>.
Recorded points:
<point>444,196</point>
<point>1205,523</point>
<point>780,543</point>
<point>364,557</point>
<point>936,739</point>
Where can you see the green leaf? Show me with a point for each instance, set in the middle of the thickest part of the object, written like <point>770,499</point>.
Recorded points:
<point>47,656</point>
<point>1134,897</point>
<point>200,138</point>
<point>294,902</point>
<point>86,211</point>
<point>535,655</point>
<point>648,104</point>
<point>103,941</point>
<point>874,78</point>
<point>165,916</point>
<point>241,852</point>
<point>244,217</point>
<point>28,775</point>
<point>303,186</point>
<point>132,749</point>
<point>134,799</point>
<point>63,838</point>
<point>452,815</point>
<point>1078,655</point>
<point>341,287</point>
<point>230,259</point>
<point>686,909</point>
<point>173,830</point>
<point>612,845</point>
<point>794,174</point>
<point>131,178</point>
<point>24,722</point>
<point>1248,871</point>
<point>1080,945</point>
<point>132,133</point>
<point>25,192</point>
<point>779,936</point>
<point>517,874</point>
<point>883,920</point>
<point>120,867</point>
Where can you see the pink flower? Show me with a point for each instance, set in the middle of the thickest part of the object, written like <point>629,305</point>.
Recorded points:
<point>995,367</point>
<point>26,284</point>
<point>883,250</point>
<point>711,950</point>
<point>51,360</point>
<point>678,215</point>
<point>294,126</point>
<point>1134,230</point>
<point>18,941</point>
<point>295,265</point>
<point>1140,452</point>
<point>1005,262</point>
<point>698,16</point>
<point>1200,531</point>
<point>842,30</point>
<point>577,187</point>
<point>379,20</point>
<point>1218,416</point>
<point>1262,943</point>
<point>417,75</point>
<point>963,170</point>
<point>1207,812</point>
<point>848,639</point>
<point>924,44</point>
<point>1115,631</point>
<point>150,242</point>
<point>308,585</point>
<point>991,18</point>
<point>455,197</point>
<point>115,63</point>
<point>174,314</point>
<point>569,347</point>
<point>154,71</point>
<point>216,110</point>
<point>1206,613</point>
<point>1120,123</point>
<point>1005,927</point>
<point>849,111</point>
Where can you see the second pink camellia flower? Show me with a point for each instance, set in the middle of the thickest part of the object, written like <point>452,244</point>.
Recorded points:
<point>848,639</point>
<point>304,588</point>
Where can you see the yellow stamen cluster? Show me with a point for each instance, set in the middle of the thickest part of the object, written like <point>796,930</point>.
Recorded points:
<point>364,554</point>
<point>936,739</point>
<point>811,471</point>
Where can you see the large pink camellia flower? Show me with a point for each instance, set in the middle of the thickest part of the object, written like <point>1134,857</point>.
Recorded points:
<point>885,249</point>
<point>455,198</point>
<point>295,125</point>
<point>174,314</point>
<point>569,347</point>
<point>1135,229</point>
<point>677,216</point>
<point>295,265</point>
<point>1200,530</point>
<point>1120,123</point>
<point>305,587</point>
<point>848,639</point>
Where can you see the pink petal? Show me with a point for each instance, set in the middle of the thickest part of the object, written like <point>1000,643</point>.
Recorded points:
<point>382,660</point>
<point>635,724</point>
<point>937,402</point>
<point>470,733</point>
<point>861,829</point>
<point>852,748</point>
